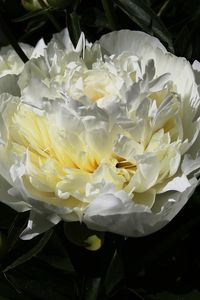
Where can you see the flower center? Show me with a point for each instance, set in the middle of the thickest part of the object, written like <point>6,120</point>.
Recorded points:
<point>99,84</point>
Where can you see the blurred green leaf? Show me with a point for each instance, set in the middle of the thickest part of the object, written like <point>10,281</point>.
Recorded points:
<point>194,295</point>
<point>114,274</point>
<point>32,26</point>
<point>182,43</point>
<point>58,262</point>
<point>11,38</point>
<point>73,24</point>
<point>36,289</point>
<point>90,288</point>
<point>8,291</point>
<point>109,10</point>
<point>94,17</point>
<point>7,216</point>
<point>40,281</point>
<point>16,228</point>
<point>31,15</point>
<point>56,255</point>
<point>60,3</point>
<point>145,17</point>
<point>32,252</point>
<point>3,245</point>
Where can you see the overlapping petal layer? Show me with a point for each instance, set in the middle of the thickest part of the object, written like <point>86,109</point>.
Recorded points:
<point>107,134</point>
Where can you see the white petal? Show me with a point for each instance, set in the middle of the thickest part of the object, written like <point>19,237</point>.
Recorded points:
<point>137,220</point>
<point>133,41</point>
<point>148,168</point>
<point>147,47</point>
<point>39,223</point>
<point>190,164</point>
<point>196,68</point>
<point>8,84</point>
<point>179,183</point>
<point>39,49</point>
<point>10,198</point>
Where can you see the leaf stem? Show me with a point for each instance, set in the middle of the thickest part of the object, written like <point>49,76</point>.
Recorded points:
<point>10,37</point>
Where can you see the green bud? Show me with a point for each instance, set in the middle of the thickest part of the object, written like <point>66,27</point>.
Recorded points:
<point>78,234</point>
<point>94,242</point>
<point>31,5</point>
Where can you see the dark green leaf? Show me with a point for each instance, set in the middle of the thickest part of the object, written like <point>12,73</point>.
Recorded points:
<point>74,28</point>
<point>39,281</point>
<point>8,291</point>
<point>36,289</point>
<point>15,229</point>
<point>94,17</point>
<point>146,18</point>
<point>7,216</point>
<point>3,245</point>
<point>58,262</point>
<point>11,39</point>
<point>31,253</point>
<point>110,14</point>
<point>56,255</point>
<point>60,3</point>
<point>194,295</point>
<point>115,273</point>
<point>32,27</point>
<point>183,44</point>
<point>91,288</point>
<point>32,15</point>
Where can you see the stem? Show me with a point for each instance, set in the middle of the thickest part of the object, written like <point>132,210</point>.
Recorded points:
<point>6,30</point>
<point>163,8</point>
<point>110,14</point>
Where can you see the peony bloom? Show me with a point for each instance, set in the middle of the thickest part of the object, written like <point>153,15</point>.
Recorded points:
<point>106,134</point>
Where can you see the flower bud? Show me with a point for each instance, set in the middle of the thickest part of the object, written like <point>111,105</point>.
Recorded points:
<point>31,5</point>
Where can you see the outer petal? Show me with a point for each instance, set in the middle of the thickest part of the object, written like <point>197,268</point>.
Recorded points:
<point>8,84</point>
<point>14,201</point>
<point>114,213</point>
<point>39,223</point>
<point>147,47</point>
<point>126,40</point>
<point>196,68</point>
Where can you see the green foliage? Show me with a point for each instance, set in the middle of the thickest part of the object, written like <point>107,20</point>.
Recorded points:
<point>146,19</point>
<point>175,23</point>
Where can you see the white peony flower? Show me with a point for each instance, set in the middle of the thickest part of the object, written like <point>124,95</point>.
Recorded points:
<point>106,134</point>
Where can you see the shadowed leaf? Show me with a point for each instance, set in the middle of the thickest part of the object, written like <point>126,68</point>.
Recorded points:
<point>32,252</point>
<point>145,17</point>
